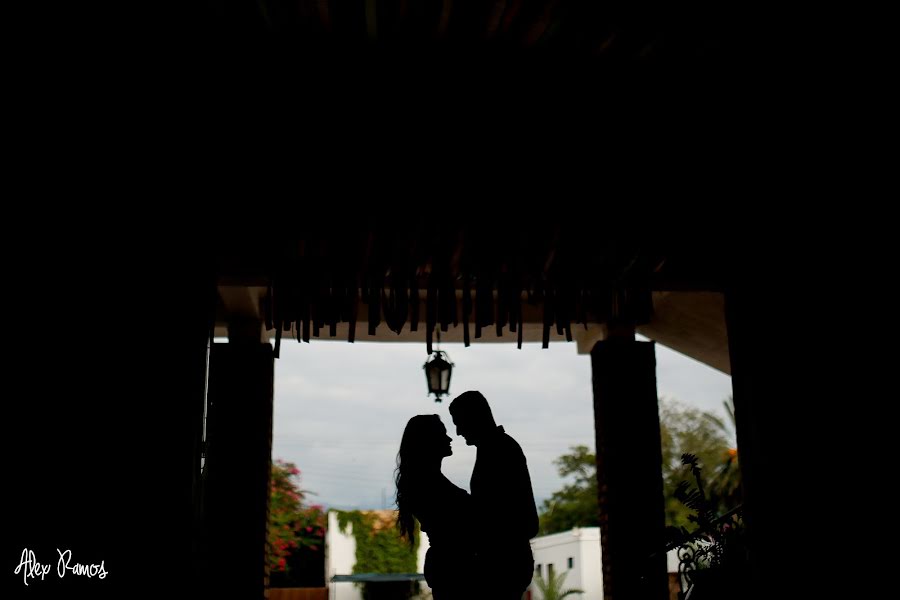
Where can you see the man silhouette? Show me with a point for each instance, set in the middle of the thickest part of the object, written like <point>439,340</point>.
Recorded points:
<point>505,513</point>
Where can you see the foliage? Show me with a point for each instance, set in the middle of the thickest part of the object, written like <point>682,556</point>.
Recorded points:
<point>551,588</point>
<point>717,544</point>
<point>293,527</point>
<point>682,430</point>
<point>576,504</point>
<point>725,486</point>
<point>378,547</point>
<point>686,430</point>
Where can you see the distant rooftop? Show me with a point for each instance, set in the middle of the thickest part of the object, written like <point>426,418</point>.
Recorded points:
<point>379,577</point>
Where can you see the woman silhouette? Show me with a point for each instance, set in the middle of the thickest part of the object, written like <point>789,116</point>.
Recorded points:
<point>443,509</point>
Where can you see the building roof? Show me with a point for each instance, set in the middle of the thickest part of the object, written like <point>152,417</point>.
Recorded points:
<point>379,577</point>
<point>381,519</point>
<point>563,537</point>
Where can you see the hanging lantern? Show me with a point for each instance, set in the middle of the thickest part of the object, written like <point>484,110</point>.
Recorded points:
<point>437,373</point>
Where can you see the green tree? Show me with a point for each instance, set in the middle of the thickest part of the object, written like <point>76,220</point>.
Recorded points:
<point>682,430</point>
<point>551,588</point>
<point>725,485</point>
<point>710,440</point>
<point>575,505</point>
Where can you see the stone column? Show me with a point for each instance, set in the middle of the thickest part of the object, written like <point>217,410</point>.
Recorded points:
<point>238,467</point>
<point>629,468</point>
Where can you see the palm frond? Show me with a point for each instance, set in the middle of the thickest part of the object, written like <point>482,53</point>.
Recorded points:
<point>715,420</point>
<point>551,588</point>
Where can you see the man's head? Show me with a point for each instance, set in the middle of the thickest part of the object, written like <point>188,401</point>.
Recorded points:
<point>472,417</point>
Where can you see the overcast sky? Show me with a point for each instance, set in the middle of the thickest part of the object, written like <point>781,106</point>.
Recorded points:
<point>340,408</point>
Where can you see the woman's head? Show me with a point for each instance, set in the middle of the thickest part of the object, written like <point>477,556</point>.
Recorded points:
<point>424,440</point>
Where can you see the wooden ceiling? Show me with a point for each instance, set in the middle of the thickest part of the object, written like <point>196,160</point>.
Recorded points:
<point>407,279</point>
<point>473,32</point>
<point>433,95</point>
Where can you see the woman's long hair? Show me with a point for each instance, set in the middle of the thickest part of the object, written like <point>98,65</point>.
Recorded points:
<point>417,438</point>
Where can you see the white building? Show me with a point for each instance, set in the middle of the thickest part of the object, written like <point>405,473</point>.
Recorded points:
<point>340,556</point>
<point>576,552</point>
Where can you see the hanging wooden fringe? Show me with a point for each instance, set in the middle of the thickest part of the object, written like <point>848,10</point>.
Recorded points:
<point>414,301</point>
<point>466,309</point>
<point>430,310</point>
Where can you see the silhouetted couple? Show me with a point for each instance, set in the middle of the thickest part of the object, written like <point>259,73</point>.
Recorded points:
<point>479,543</point>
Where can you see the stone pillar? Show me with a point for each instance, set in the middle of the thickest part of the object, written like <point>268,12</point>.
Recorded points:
<point>238,468</point>
<point>768,380</point>
<point>799,398</point>
<point>629,469</point>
